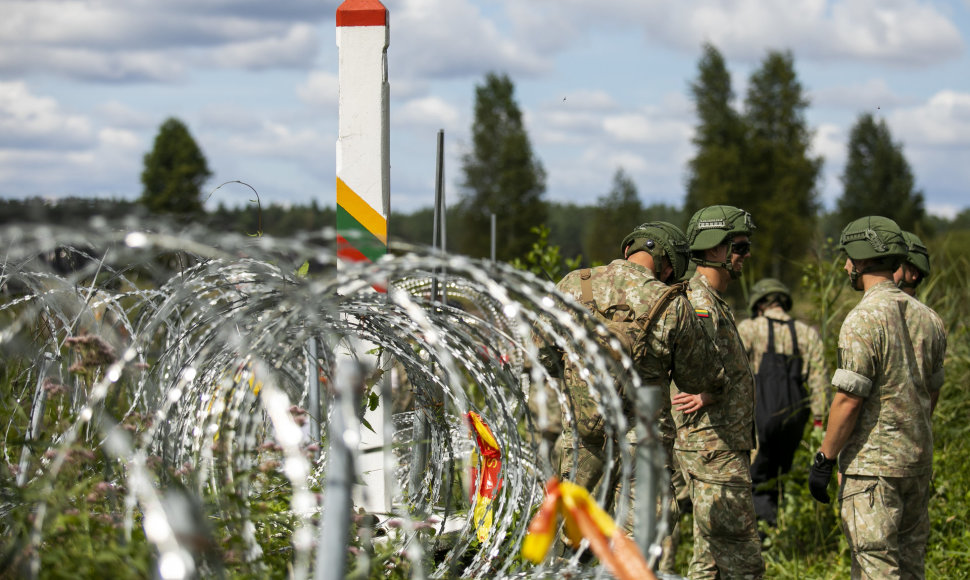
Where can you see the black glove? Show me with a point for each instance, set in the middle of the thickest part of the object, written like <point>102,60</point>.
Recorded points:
<point>819,476</point>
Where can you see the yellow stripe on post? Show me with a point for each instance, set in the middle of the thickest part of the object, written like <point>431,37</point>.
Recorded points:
<point>361,211</point>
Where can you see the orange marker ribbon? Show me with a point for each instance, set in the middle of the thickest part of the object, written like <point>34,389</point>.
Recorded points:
<point>583,519</point>
<point>486,467</point>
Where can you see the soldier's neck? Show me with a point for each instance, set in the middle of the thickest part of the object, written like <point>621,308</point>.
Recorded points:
<point>718,278</point>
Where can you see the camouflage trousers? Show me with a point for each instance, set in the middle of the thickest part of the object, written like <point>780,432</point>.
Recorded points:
<point>726,542</point>
<point>587,468</point>
<point>886,521</point>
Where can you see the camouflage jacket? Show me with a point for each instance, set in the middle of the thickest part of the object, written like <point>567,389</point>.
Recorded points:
<point>891,349</point>
<point>815,373</point>
<point>728,423</point>
<point>672,347</point>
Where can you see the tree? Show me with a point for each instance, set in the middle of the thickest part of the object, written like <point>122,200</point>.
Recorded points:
<point>615,215</point>
<point>175,171</point>
<point>502,176</point>
<point>715,174</point>
<point>877,179</point>
<point>780,185</point>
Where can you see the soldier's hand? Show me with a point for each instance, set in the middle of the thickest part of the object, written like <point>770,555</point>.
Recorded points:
<point>819,476</point>
<point>687,403</point>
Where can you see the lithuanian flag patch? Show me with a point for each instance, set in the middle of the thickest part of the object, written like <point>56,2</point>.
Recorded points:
<point>702,312</point>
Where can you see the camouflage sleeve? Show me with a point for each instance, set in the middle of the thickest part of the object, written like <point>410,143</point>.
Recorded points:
<point>746,330</point>
<point>696,366</point>
<point>856,361</point>
<point>815,371</point>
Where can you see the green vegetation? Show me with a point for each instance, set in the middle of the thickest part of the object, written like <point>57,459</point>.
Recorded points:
<point>175,171</point>
<point>502,176</point>
<point>878,179</point>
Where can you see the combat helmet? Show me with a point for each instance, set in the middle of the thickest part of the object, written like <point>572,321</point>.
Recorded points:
<point>765,287</point>
<point>917,254</point>
<point>711,226</point>
<point>873,238</point>
<point>659,239</point>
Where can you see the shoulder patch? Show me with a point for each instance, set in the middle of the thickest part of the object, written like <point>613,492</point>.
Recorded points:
<point>702,312</point>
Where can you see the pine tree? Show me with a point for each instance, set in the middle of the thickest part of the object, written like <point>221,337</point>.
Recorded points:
<point>615,215</point>
<point>175,171</point>
<point>715,174</point>
<point>877,178</point>
<point>780,185</point>
<point>502,176</point>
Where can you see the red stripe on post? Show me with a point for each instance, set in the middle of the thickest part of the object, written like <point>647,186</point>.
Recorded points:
<point>362,13</point>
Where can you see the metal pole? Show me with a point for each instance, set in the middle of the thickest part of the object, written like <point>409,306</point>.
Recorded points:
<point>493,238</point>
<point>313,391</point>
<point>644,514</point>
<point>337,504</point>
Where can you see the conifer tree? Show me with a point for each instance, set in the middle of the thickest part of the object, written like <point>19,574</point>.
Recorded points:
<point>715,175</point>
<point>780,184</point>
<point>175,171</point>
<point>877,178</point>
<point>501,176</point>
<point>615,215</point>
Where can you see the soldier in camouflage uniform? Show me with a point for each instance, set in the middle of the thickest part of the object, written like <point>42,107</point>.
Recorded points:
<point>715,434</point>
<point>915,268</point>
<point>668,346</point>
<point>769,303</point>
<point>891,350</point>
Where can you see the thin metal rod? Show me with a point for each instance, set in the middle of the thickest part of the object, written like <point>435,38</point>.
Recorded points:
<point>313,391</point>
<point>337,503</point>
<point>493,238</point>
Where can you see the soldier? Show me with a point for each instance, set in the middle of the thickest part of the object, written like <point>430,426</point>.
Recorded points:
<point>890,372</point>
<point>781,411</point>
<point>670,344</point>
<point>915,267</point>
<point>715,434</point>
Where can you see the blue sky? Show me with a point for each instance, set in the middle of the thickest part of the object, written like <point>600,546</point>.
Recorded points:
<point>84,86</point>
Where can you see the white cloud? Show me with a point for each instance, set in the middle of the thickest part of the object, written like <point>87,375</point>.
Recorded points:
<point>427,111</point>
<point>294,47</point>
<point>894,32</point>
<point>451,39</point>
<point>138,40</point>
<point>30,121</point>
<point>640,128</point>
<point>320,89</point>
<point>944,120</point>
<point>872,95</point>
<point>118,114</point>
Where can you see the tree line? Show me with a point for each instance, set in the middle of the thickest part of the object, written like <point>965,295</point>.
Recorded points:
<point>756,157</point>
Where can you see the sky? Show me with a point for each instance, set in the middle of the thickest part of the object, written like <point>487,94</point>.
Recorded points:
<point>603,85</point>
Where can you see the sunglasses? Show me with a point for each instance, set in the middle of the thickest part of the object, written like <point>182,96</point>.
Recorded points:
<point>740,248</point>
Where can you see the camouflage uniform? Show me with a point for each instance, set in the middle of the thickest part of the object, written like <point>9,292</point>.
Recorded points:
<point>713,448</point>
<point>891,350</point>
<point>754,335</point>
<point>673,345</point>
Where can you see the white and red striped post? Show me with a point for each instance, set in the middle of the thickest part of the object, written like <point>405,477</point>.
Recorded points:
<point>363,144</point>
<point>363,204</point>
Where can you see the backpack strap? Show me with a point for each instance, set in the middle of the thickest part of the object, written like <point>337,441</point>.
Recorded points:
<point>771,334</point>
<point>617,312</point>
<point>586,287</point>
<point>794,337</point>
<point>672,291</point>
